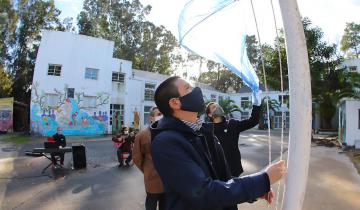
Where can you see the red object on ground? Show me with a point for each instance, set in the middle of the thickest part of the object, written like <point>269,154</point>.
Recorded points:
<point>124,155</point>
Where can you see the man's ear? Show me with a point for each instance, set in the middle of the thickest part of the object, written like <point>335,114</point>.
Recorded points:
<point>175,103</point>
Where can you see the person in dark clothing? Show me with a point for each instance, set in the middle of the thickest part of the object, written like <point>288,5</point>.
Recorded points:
<point>60,141</point>
<point>124,143</point>
<point>228,131</point>
<point>190,159</point>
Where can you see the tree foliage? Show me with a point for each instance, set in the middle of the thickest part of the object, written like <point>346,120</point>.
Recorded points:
<point>148,46</point>
<point>33,16</point>
<point>5,81</point>
<point>350,41</point>
<point>229,106</point>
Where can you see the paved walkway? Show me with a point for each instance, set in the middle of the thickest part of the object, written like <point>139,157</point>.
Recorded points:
<point>333,182</point>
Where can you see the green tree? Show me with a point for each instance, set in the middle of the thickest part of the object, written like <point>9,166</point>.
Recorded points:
<point>350,41</point>
<point>33,16</point>
<point>8,20</point>
<point>149,47</point>
<point>5,81</point>
<point>229,106</point>
<point>329,85</point>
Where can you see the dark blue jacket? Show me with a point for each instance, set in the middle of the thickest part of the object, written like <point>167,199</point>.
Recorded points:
<point>194,171</point>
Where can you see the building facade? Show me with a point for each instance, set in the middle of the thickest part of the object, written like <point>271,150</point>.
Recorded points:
<point>349,110</point>
<point>80,87</point>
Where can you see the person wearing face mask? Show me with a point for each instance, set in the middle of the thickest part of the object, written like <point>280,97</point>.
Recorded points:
<point>228,131</point>
<point>123,142</point>
<point>190,159</point>
<point>142,158</point>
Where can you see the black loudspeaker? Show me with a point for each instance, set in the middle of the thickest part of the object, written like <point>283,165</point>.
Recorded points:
<point>79,156</point>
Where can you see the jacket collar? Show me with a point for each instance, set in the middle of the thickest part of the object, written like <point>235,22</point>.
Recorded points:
<point>172,123</point>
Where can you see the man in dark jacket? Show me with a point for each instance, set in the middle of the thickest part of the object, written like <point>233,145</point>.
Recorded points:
<point>228,131</point>
<point>190,159</point>
<point>60,141</point>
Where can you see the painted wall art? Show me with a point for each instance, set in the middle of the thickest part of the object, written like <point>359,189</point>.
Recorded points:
<point>6,114</point>
<point>73,114</point>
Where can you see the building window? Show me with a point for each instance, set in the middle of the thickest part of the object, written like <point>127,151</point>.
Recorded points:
<point>54,70</point>
<point>244,115</point>
<point>286,99</point>
<point>149,91</point>
<point>52,99</point>
<point>70,92</point>
<point>278,118</point>
<point>116,113</point>
<point>213,97</point>
<point>91,73</point>
<point>245,102</point>
<point>90,101</point>
<point>118,77</point>
<point>352,68</point>
<point>147,114</point>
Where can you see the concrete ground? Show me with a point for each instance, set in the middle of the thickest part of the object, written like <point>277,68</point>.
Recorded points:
<point>333,181</point>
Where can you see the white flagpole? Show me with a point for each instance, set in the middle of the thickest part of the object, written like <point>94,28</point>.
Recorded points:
<point>300,106</point>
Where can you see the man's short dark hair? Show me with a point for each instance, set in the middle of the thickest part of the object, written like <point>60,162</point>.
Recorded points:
<point>166,91</point>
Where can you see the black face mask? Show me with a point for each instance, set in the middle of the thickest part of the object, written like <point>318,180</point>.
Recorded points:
<point>193,101</point>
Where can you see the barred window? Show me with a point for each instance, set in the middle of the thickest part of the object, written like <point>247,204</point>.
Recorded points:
<point>149,91</point>
<point>118,77</point>
<point>54,70</point>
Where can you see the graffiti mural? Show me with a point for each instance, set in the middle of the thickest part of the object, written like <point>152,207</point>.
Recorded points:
<point>73,115</point>
<point>6,114</point>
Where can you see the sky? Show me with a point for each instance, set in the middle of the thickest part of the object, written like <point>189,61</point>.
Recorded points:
<point>330,15</point>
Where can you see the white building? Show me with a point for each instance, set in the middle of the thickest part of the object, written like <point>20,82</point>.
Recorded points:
<point>349,110</point>
<point>349,121</point>
<point>79,86</point>
<point>352,65</point>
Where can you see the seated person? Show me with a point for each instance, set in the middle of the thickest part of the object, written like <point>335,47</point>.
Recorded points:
<point>124,143</point>
<point>60,141</point>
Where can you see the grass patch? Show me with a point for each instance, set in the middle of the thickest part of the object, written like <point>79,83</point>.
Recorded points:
<point>354,156</point>
<point>15,138</point>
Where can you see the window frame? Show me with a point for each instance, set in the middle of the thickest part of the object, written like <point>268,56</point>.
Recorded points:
<point>90,76</point>
<point>118,77</point>
<point>244,103</point>
<point>86,101</point>
<point>73,92</point>
<point>146,112</point>
<point>119,108</point>
<point>54,70</point>
<point>149,98</point>
<point>47,99</point>
<point>352,68</point>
